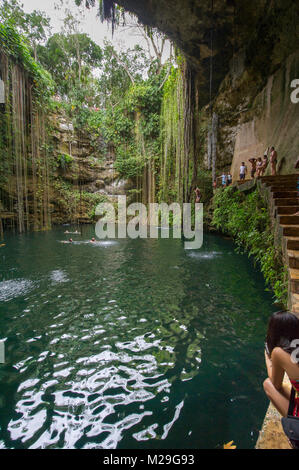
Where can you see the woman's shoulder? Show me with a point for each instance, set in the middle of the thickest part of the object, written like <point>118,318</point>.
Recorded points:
<point>283,359</point>
<point>281,356</point>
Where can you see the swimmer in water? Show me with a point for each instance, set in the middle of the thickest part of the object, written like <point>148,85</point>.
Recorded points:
<point>68,241</point>
<point>93,240</point>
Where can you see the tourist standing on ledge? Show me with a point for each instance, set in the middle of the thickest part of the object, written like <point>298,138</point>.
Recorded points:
<point>259,167</point>
<point>223,179</point>
<point>273,161</point>
<point>265,164</point>
<point>229,179</point>
<point>243,171</point>
<point>253,166</point>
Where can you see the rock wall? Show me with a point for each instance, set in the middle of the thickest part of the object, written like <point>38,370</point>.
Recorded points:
<point>250,122</point>
<point>84,175</point>
<point>241,58</point>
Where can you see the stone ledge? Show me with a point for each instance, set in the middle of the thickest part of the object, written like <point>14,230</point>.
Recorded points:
<point>272,435</point>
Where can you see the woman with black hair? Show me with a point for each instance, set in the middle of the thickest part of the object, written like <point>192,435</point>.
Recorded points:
<point>281,355</point>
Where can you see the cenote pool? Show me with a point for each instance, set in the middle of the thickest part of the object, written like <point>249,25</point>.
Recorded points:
<point>130,344</point>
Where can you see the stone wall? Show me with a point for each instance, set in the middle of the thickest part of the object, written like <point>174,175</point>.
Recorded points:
<point>251,120</point>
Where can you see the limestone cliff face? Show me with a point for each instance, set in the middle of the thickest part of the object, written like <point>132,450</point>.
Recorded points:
<point>84,174</point>
<point>251,120</point>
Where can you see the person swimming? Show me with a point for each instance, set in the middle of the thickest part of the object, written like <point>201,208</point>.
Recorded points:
<point>93,240</point>
<point>70,240</point>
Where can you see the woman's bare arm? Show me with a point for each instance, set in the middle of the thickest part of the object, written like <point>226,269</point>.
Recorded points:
<point>276,369</point>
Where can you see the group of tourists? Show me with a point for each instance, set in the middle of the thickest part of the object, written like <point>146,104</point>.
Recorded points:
<point>260,164</point>
<point>226,180</point>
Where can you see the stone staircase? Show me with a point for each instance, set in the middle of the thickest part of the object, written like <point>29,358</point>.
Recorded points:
<point>286,205</point>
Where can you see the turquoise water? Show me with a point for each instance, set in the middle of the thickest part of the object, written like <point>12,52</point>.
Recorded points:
<point>130,344</point>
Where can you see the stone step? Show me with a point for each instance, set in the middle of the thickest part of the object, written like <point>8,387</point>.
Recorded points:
<point>293,254</point>
<point>282,187</point>
<point>295,303</point>
<point>293,243</point>
<point>279,177</point>
<point>289,219</point>
<point>294,201</point>
<point>295,308</point>
<point>294,262</point>
<point>284,194</point>
<point>294,278</point>
<point>291,231</point>
<point>285,183</point>
<point>287,210</point>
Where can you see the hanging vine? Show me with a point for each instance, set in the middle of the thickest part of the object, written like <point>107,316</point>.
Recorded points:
<point>24,191</point>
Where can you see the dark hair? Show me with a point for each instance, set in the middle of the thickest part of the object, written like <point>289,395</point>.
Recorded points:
<point>283,328</point>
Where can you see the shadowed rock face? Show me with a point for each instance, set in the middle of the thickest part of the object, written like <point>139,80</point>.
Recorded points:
<point>251,48</point>
<point>265,30</point>
<point>201,29</point>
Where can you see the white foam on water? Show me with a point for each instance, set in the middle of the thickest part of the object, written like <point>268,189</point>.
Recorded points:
<point>105,243</point>
<point>58,276</point>
<point>204,255</point>
<point>14,288</point>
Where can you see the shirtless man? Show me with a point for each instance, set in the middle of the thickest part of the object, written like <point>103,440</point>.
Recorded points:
<point>273,160</point>
<point>253,166</point>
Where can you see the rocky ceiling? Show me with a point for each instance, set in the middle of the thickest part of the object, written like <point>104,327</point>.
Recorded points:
<point>210,32</point>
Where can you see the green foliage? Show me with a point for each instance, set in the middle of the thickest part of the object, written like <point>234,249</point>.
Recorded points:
<point>15,47</point>
<point>64,159</point>
<point>73,202</point>
<point>247,219</point>
<point>70,59</point>
<point>129,167</point>
<point>172,128</point>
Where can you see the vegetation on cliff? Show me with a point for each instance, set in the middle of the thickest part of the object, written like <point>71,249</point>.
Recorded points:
<point>246,218</point>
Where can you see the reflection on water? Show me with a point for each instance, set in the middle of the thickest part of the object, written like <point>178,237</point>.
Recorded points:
<point>135,344</point>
